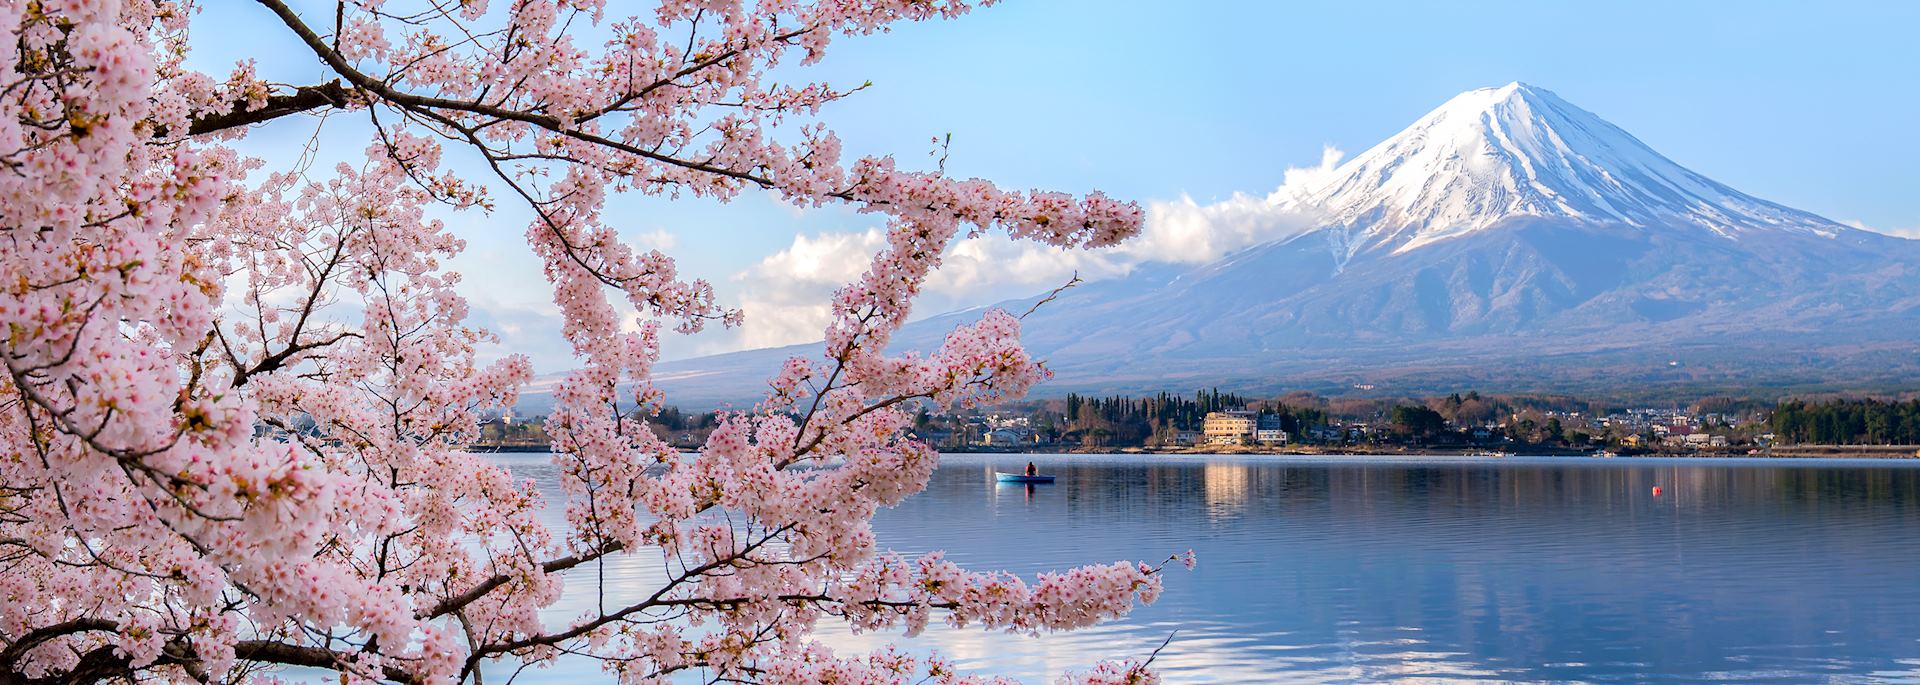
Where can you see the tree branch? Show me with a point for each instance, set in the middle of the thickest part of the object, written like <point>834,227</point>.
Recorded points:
<point>460,601</point>
<point>39,636</point>
<point>303,98</point>
<point>107,663</point>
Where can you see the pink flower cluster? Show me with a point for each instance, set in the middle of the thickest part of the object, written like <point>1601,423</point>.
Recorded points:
<point>236,403</point>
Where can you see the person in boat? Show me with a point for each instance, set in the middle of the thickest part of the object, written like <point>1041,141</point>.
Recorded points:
<point>1032,470</point>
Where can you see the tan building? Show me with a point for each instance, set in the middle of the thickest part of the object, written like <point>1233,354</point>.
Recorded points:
<point>1229,427</point>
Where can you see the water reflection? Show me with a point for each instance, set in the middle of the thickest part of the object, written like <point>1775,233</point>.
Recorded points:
<point>1369,569</point>
<point>1226,485</point>
<point>997,488</point>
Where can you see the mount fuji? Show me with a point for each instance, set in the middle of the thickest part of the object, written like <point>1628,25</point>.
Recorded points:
<point>1506,240</point>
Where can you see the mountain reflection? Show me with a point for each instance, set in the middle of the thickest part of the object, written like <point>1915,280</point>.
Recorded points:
<point>1371,569</point>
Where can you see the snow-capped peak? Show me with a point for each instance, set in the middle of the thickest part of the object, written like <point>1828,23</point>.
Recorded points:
<point>1494,153</point>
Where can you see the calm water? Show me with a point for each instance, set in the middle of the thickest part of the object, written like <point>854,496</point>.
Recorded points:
<point>1381,570</point>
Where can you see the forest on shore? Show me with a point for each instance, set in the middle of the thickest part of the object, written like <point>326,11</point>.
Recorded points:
<point>1463,419</point>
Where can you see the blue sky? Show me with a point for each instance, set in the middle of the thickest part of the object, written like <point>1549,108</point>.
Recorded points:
<point>1810,105</point>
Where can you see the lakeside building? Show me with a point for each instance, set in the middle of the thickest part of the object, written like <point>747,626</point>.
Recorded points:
<point>1008,436</point>
<point>938,438</point>
<point>1270,429</point>
<point>1327,433</point>
<point>1230,427</point>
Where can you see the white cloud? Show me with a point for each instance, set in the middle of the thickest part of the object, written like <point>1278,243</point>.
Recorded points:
<point>785,295</point>
<point>1188,232</point>
<point>654,240</point>
<point>998,267</point>
<point>1907,232</point>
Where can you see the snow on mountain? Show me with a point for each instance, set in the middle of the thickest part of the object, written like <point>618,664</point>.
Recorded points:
<point>1506,239</point>
<point>1496,153</point>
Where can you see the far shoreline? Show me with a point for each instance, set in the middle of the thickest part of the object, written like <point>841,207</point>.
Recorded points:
<point>1892,452</point>
<point>1907,452</point>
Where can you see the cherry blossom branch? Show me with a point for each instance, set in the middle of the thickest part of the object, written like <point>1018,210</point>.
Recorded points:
<point>302,99</point>
<point>285,482</point>
<point>341,66</point>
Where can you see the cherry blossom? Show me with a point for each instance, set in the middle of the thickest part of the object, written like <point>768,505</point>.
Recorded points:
<point>237,398</point>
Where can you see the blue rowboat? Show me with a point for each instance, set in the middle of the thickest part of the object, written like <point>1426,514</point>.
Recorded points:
<point>1021,478</point>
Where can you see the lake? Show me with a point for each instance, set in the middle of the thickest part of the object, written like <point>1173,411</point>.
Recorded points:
<point>1379,569</point>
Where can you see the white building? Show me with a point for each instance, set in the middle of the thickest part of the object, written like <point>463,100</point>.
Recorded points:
<point>1230,427</point>
<point>1008,436</point>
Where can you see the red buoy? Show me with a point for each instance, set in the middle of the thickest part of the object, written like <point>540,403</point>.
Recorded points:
<point>1656,491</point>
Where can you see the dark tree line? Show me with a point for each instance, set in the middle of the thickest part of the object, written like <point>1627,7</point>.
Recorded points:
<point>1167,408</point>
<point>1847,422</point>
<point>1133,420</point>
<point>1419,422</point>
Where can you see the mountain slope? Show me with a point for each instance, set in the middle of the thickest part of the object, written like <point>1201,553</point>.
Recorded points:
<point>1507,239</point>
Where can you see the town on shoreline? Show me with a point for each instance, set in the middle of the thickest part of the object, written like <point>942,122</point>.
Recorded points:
<point>1456,424</point>
<point>1779,452</point>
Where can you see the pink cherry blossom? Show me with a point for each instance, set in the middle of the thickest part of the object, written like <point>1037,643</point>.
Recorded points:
<point>237,398</point>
